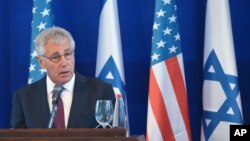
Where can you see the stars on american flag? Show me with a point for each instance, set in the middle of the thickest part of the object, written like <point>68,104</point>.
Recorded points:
<point>167,31</point>
<point>177,37</point>
<point>167,68</point>
<point>160,13</point>
<point>45,12</point>
<point>166,2</point>
<point>42,70</point>
<point>32,67</point>
<point>48,1</point>
<point>172,49</point>
<point>155,56</point>
<point>34,10</point>
<point>160,44</point>
<point>41,26</point>
<point>42,19</point>
<point>166,37</point>
<point>155,26</point>
<point>33,54</point>
<point>172,18</point>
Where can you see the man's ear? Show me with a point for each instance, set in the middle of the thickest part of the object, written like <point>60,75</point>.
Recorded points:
<point>40,61</point>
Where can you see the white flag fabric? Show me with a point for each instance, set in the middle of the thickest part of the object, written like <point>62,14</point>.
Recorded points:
<point>109,66</point>
<point>221,94</point>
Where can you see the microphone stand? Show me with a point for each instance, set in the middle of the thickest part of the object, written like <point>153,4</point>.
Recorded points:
<point>53,115</point>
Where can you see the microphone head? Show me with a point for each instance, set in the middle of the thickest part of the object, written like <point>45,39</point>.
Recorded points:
<point>58,87</point>
<point>56,93</point>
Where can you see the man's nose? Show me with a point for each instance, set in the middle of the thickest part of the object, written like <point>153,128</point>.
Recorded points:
<point>63,61</point>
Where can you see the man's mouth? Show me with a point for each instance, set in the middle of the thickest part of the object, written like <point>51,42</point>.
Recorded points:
<point>64,72</point>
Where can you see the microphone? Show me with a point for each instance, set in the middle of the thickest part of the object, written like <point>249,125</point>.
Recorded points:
<point>56,94</point>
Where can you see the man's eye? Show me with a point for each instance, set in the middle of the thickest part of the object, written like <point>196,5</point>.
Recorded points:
<point>67,54</point>
<point>55,58</point>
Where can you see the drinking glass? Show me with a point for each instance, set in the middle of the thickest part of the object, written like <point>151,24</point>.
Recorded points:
<point>104,113</point>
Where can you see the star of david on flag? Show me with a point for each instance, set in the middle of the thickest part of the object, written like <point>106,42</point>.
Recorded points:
<point>42,19</point>
<point>109,66</point>
<point>221,94</point>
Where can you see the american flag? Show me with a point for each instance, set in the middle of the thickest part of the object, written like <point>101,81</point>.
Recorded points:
<point>168,117</point>
<point>221,93</point>
<point>42,19</point>
<point>109,66</point>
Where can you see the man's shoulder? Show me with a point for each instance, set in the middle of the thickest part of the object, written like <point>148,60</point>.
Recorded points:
<point>31,86</point>
<point>88,79</point>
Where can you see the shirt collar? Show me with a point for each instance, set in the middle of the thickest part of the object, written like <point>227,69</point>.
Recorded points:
<point>68,86</point>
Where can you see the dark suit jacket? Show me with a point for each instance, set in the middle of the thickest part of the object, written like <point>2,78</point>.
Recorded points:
<point>31,109</point>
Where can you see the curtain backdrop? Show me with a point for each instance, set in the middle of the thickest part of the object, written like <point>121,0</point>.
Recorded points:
<point>81,18</point>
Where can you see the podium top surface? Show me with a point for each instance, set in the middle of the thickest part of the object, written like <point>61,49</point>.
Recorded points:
<point>76,132</point>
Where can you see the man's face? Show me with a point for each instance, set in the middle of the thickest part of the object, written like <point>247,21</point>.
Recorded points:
<point>59,61</point>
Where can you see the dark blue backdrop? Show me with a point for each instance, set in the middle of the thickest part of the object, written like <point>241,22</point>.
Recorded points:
<point>81,18</point>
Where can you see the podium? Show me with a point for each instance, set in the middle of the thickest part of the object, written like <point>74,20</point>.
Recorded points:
<point>76,134</point>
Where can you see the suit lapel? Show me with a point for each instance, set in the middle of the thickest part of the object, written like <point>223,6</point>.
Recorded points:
<point>43,101</point>
<point>79,102</point>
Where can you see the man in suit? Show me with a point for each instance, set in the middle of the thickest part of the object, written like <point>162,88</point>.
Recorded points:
<point>32,104</point>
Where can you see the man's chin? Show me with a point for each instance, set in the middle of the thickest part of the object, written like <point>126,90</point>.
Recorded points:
<point>65,79</point>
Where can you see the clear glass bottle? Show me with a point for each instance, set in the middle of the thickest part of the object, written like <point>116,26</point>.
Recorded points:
<point>119,112</point>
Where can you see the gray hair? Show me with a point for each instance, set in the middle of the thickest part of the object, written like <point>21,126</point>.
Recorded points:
<point>57,34</point>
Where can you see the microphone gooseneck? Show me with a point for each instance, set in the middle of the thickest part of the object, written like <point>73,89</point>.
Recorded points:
<point>55,96</point>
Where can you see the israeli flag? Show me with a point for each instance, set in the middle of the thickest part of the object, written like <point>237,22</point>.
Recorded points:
<point>221,93</point>
<point>109,66</point>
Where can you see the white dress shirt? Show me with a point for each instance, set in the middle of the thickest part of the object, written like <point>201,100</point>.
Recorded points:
<point>66,96</point>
